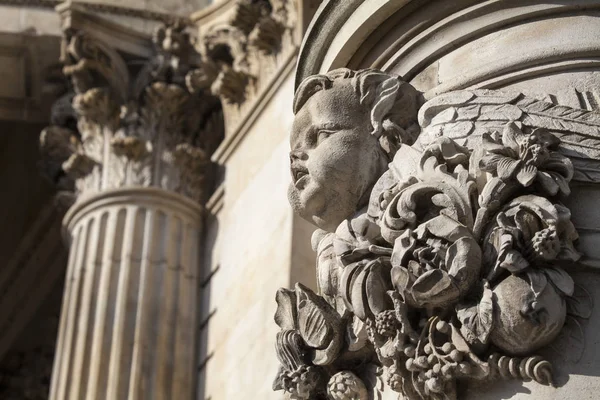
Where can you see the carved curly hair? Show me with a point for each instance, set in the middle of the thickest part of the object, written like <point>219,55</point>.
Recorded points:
<point>394,103</point>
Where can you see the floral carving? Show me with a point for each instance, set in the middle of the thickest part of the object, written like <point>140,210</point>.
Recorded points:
<point>154,132</point>
<point>458,266</point>
<point>528,159</point>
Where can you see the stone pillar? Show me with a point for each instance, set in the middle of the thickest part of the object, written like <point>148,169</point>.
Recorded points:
<point>128,321</point>
<point>129,147</point>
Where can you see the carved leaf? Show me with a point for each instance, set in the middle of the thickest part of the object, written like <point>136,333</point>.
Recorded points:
<point>586,170</point>
<point>403,247</point>
<point>434,287</point>
<point>570,343</point>
<point>358,295</point>
<point>356,334</point>
<point>377,285</point>
<point>286,316</point>
<point>320,325</point>
<point>514,262</point>
<point>537,281</point>
<point>312,323</point>
<point>506,168</point>
<point>478,321</point>
<point>563,281</point>
<point>581,303</point>
<point>527,174</point>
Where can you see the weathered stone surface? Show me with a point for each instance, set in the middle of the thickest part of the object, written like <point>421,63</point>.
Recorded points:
<point>453,263</point>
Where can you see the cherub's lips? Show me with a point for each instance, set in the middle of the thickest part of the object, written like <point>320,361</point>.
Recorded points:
<point>299,175</point>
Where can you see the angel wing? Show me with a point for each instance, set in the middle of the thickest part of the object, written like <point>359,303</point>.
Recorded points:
<point>466,115</point>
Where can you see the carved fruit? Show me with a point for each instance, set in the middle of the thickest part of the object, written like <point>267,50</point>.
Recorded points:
<point>522,322</point>
<point>346,386</point>
<point>386,323</point>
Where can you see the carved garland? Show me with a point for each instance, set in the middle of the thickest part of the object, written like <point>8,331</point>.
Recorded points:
<point>439,299</point>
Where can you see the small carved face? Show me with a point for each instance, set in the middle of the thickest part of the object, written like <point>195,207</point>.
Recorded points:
<point>335,160</point>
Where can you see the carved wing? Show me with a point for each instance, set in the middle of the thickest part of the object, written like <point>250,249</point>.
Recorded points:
<point>466,115</point>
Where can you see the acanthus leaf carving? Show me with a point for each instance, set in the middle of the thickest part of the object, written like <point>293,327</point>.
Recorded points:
<point>154,132</point>
<point>455,256</point>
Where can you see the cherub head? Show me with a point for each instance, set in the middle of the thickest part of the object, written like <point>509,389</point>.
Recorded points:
<point>348,126</point>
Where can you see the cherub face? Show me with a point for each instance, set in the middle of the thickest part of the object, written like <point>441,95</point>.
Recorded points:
<point>335,160</point>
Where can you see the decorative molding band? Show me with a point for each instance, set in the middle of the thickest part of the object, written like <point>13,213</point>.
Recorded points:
<point>215,203</point>
<point>31,3</point>
<point>502,78</point>
<point>148,197</point>
<point>513,69</point>
<point>104,8</point>
<point>416,49</point>
<point>209,13</point>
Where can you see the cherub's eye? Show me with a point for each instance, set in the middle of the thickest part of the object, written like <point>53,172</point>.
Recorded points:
<point>323,134</point>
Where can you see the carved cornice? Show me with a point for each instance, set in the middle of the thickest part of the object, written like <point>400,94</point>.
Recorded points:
<point>103,8</point>
<point>133,120</point>
<point>245,51</point>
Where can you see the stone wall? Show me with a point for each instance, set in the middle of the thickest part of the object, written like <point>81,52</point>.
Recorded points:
<point>257,245</point>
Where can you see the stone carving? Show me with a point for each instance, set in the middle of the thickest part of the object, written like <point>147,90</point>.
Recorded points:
<point>132,129</point>
<point>443,250</point>
<point>244,54</point>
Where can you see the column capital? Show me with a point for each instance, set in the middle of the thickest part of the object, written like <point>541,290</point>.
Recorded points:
<point>129,119</point>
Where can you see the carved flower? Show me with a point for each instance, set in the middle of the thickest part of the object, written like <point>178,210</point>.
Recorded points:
<point>435,264</point>
<point>529,232</point>
<point>318,324</point>
<point>528,158</point>
<point>364,285</point>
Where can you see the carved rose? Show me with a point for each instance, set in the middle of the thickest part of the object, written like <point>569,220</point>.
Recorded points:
<point>435,264</point>
<point>529,232</point>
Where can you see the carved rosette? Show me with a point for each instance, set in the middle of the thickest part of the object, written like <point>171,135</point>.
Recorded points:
<point>458,269</point>
<point>153,135</point>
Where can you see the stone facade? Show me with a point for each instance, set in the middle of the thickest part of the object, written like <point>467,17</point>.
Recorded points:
<point>438,239</point>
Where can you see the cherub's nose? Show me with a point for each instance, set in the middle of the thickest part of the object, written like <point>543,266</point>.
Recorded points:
<point>298,155</point>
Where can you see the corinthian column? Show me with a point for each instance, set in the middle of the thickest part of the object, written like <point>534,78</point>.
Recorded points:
<point>128,320</point>
<point>134,164</point>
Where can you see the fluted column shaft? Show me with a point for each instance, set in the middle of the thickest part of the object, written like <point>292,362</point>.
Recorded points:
<point>128,320</point>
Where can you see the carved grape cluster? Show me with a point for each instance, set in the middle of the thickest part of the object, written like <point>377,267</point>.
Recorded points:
<point>437,364</point>
<point>386,323</point>
<point>302,382</point>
